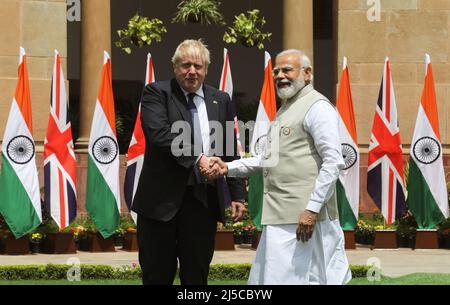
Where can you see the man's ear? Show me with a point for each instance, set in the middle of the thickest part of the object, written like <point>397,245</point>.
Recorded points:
<point>308,73</point>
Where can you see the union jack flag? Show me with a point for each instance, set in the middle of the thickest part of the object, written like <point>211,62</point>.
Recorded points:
<point>385,179</point>
<point>136,149</point>
<point>59,155</point>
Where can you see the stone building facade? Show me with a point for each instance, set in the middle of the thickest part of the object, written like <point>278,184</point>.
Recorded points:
<point>404,30</point>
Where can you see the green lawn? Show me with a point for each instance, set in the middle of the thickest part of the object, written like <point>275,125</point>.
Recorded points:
<point>412,279</point>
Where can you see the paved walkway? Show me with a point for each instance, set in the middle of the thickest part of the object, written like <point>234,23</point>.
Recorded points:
<point>393,262</point>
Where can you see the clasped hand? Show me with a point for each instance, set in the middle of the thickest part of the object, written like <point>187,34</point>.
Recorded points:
<point>212,167</point>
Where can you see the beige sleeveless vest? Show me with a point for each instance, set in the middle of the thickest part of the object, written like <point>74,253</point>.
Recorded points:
<point>288,184</point>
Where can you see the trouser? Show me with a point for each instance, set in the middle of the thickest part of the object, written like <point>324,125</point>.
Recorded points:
<point>187,238</point>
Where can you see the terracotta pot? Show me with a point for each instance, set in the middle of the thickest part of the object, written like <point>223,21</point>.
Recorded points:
<point>94,242</point>
<point>427,239</point>
<point>349,239</point>
<point>59,243</point>
<point>256,239</point>
<point>385,239</point>
<point>224,240</point>
<point>130,242</point>
<point>13,246</point>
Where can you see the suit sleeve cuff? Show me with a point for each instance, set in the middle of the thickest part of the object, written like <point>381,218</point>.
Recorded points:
<point>314,206</point>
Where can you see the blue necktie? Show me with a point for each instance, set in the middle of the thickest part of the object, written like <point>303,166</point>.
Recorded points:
<point>198,146</point>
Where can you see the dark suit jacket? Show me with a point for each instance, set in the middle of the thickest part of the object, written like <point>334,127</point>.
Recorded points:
<point>164,176</point>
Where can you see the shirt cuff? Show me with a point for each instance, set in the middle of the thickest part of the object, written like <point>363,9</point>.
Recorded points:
<point>232,169</point>
<point>314,206</point>
<point>198,159</point>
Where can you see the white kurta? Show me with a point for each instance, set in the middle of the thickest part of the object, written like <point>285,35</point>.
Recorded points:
<point>280,258</point>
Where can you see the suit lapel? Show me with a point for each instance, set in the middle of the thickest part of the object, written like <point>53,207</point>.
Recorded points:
<point>212,106</point>
<point>180,102</point>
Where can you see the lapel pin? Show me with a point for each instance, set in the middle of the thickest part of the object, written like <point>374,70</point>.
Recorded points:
<point>214,102</point>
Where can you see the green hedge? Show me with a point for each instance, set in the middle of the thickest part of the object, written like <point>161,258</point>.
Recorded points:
<point>102,272</point>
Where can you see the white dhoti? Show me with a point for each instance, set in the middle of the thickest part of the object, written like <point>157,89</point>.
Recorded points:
<point>282,260</point>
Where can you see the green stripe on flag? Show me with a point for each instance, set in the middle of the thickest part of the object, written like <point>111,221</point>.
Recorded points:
<point>15,204</point>
<point>100,201</point>
<point>421,201</point>
<point>346,216</point>
<point>255,199</point>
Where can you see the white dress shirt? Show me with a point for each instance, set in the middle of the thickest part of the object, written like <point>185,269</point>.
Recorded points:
<point>321,122</point>
<point>199,101</point>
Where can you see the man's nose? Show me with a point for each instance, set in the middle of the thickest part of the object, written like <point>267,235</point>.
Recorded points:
<point>192,70</point>
<point>279,76</point>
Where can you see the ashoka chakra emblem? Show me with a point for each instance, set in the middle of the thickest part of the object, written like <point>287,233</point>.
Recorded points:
<point>349,154</point>
<point>20,149</point>
<point>427,150</point>
<point>105,150</point>
<point>260,145</point>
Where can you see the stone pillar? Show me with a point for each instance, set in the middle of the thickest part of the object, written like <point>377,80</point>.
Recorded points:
<point>298,26</point>
<point>95,38</point>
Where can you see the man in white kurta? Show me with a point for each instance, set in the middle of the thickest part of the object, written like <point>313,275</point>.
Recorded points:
<point>302,241</point>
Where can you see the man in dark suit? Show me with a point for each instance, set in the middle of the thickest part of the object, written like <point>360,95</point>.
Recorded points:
<point>177,207</point>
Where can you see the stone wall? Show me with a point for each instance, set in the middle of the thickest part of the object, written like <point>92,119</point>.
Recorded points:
<point>40,27</point>
<point>406,31</point>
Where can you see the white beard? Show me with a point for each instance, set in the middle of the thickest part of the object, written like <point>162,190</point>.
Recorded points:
<point>293,89</point>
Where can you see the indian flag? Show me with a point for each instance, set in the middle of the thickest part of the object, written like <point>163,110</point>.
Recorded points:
<point>427,190</point>
<point>103,195</point>
<point>266,113</point>
<point>20,202</point>
<point>347,187</point>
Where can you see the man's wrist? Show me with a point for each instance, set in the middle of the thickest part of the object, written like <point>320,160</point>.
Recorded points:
<point>199,158</point>
<point>239,200</point>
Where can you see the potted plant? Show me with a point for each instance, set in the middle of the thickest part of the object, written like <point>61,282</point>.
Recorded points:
<point>140,32</point>
<point>406,231</point>
<point>238,228</point>
<point>444,234</point>
<point>248,233</point>
<point>118,237</point>
<point>35,242</point>
<point>385,234</point>
<point>364,233</point>
<point>247,29</point>
<point>91,240</point>
<point>128,227</point>
<point>199,11</point>
<point>224,234</point>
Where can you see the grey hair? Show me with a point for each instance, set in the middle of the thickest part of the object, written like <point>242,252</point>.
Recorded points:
<point>305,62</point>
<point>194,48</point>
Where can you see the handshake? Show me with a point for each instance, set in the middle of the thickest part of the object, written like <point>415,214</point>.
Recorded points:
<point>212,167</point>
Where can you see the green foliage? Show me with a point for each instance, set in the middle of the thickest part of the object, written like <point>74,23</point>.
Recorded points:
<point>444,228</point>
<point>407,226</point>
<point>126,222</point>
<point>129,272</point>
<point>229,272</point>
<point>248,30</point>
<point>140,32</point>
<point>203,11</point>
<point>59,272</point>
<point>359,271</point>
